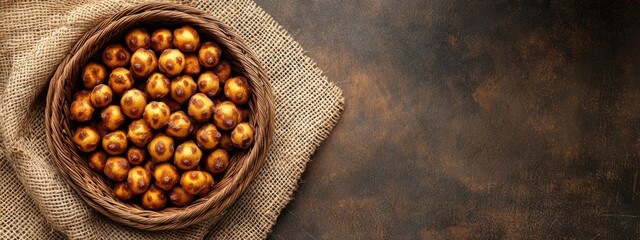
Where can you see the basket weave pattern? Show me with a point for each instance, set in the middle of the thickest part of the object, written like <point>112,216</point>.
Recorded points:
<point>90,186</point>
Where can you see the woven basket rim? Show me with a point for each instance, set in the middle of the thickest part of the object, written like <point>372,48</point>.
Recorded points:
<point>90,186</point>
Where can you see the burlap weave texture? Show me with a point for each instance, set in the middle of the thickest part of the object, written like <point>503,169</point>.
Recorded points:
<point>37,203</point>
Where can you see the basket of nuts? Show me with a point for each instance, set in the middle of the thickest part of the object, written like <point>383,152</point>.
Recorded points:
<point>160,116</point>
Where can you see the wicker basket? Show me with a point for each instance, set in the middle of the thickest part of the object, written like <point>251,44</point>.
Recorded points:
<point>91,186</point>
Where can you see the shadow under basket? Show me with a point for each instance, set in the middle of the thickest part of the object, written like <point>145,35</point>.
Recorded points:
<point>92,187</point>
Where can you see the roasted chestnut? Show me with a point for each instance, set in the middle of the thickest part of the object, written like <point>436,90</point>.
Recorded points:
<point>179,125</point>
<point>187,156</point>
<point>208,137</point>
<point>115,55</point>
<point>86,138</point>
<point>143,63</point>
<point>157,86</point>
<point>137,39</point>
<point>161,39</point>
<point>217,161</point>
<point>166,176</point>
<point>156,114</point>
<point>133,103</point>
<point>171,62</point>
<point>186,39</point>
<point>112,117</point>
<point>136,155</point>
<point>139,132</point>
<point>160,148</point>
<point>81,111</point>
<point>182,88</point>
<point>101,96</point>
<point>209,54</point>
<point>200,107</point>
<point>93,74</point>
<point>154,199</point>
<point>115,143</point>
<point>97,160</point>
<point>116,168</point>
<point>225,116</point>
<point>139,180</point>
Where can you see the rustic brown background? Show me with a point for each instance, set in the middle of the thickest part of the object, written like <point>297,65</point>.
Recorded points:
<point>473,120</point>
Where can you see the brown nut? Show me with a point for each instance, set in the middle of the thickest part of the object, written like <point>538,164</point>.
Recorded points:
<point>161,39</point>
<point>191,65</point>
<point>86,138</point>
<point>122,191</point>
<point>217,161</point>
<point>186,39</point>
<point>200,107</point>
<point>187,155</point>
<point>132,103</point>
<point>237,90</point>
<point>139,180</point>
<point>139,132</point>
<point>209,84</point>
<point>143,63</point>
<point>83,94</point>
<point>120,80</point>
<point>116,168</point>
<point>160,148</point>
<point>242,135</point>
<point>225,116</point>
<point>157,86</point>
<point>179,125</point>
<point>136,155</point>
<point>182,88</point>
<point>193,181</point>
<point>97,161</point>
<point>208,137</point>
<point>81,111</point>
<point>101,96</point>
<point>171,62</point>
<point>156,114</point>
<point>137,39</point>
<point>222,70</point>
<point>166,176</point>
<point>112,117</point>
<point>154,199</point>
<point>179,197</point>
<point>225,142</point>
<point>209,184</point>
<point>115,55</point>
<point>115,143</point>
<point>93,74</point>
<point>209,54</point>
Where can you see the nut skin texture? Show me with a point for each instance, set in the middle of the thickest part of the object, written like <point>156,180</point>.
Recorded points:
<point>209,84</point>
<point>217,162</point>
<point>208,137</point>
<point>139,180</point>
<point>154,199</point>
<point>112,117</point>
<point>101,96</point>
<point>161,148</point>
<point>120,80</point>
<point>182,88</point>
<point>209,54</point>
<point>116,55</point>
<point>93,74</point>
<point>179,125</point>
<point>161,39</point>
<point>210,183</point>
<point>137,38</point>
<point>242,135</point>
<point>193,181</point>
<point>81,111</point>
<point>157,86</point>
<point>86,138</point>
<point>156,114</point>
<point>237,90</point>
<point>116,168</point>
<point>225,142</point>
<point>139,132</point>
<point>186,39</point>
<point>225,116</point>
<point>136,155</point>
<point>83,94</point>
<point>187,156</point>
<point>143,63</point>
<point>200,107</point>
<point>115,143</point>
<point>166,176</point>
<point>191,66</point>
<point>222,70</point>
<point>97,160</point>
<point>171,62</point>
<point>122,191</point>
<point>133,102</point>
<point>179,197</point>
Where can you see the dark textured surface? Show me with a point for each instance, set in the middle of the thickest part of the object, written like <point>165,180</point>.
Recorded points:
<point>476,119</point>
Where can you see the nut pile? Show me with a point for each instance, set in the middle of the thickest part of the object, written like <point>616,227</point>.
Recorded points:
<point>162,129</point>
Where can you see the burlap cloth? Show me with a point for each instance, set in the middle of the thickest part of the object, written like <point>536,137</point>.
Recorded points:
<point>37,203</point>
